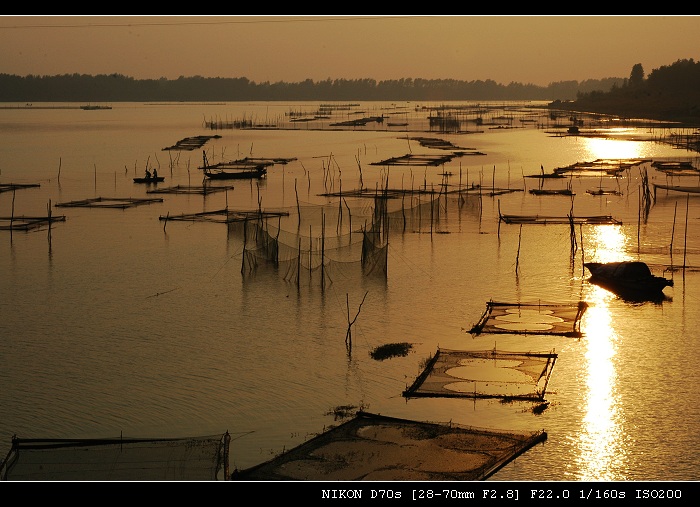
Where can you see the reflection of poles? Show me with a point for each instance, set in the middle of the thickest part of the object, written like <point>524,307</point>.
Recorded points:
<point>311,247</point>
<point>299,265</point>
<point>432,204</point>
<point>359,167</point>
<point>323,246</point>
<point>339,224</point>
<point>673,229</point>
<point>349,222</point>
<point>298,210</point>
<point>685,239</point>
<point>517,257</point>
<point>639,218</point>
<point>583,256</point>
<point>12,213</point>
<point>48,209</point>
<point>348,334</point>
<point>245,239</point>
<point>572,235</point>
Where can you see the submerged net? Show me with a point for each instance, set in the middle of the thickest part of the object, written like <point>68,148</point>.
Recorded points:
<point>203,458</point>
<point>531,318</point>
<point>485,374</point>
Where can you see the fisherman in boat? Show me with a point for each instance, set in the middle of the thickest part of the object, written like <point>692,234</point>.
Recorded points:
<point>148,174</point>
<point>155,173</point>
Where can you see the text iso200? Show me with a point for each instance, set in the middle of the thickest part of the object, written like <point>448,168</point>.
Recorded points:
<point>644,494</point>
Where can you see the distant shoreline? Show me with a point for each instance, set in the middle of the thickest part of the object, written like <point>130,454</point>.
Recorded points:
<point>39,107</point>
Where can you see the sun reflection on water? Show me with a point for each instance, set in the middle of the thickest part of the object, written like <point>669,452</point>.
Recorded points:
<point>600,445</point>
<point>607,148</point>
<point>608,243</point>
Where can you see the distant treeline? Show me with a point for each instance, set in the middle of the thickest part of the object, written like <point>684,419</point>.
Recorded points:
<point>671,92</point>
<point>119,88</point>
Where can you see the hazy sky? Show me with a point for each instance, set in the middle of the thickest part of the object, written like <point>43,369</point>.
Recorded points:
<point>524,49</point>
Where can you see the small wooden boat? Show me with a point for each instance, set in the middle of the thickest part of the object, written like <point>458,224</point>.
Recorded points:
<point>629,279</point>
<point>236,170</point>
<point>152,179</point>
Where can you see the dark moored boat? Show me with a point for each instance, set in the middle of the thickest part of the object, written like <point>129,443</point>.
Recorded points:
<point>152,179</point>
<point>238,169</point>
<point>631,279</point>
<point>230,171</point>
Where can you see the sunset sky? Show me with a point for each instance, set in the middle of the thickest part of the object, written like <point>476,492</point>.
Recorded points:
<point>524,49</point>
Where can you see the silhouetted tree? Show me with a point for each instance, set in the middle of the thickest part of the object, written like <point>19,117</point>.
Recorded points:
<point>637,75</point>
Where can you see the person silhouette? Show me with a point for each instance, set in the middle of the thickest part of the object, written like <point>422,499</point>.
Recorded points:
<point>155,173</point>
<point>148,174</point>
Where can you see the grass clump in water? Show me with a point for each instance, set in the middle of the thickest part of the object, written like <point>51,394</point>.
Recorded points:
<point>390,350</point>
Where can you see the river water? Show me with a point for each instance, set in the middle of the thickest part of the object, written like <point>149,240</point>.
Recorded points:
<point>117,322</point>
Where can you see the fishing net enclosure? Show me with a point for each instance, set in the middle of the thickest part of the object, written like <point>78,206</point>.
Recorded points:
<point>531,318</point>
<point>316,243</point>
<point>203,458</point>
<point>372,447</point>
<point>323,243</point>
<point>485,374</point>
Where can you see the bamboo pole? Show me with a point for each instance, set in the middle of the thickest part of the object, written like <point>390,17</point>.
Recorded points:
<point>310,253</point>
<point>299,266</point>
<point>685,240</point>
<point>296,193</point>
<point>517,257</point>
<point>48,210</point>
<point>673,229</point>
<point>323,248</point>
<point>12,213</point>
<point>245,239</point>
<point>639,218</point>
